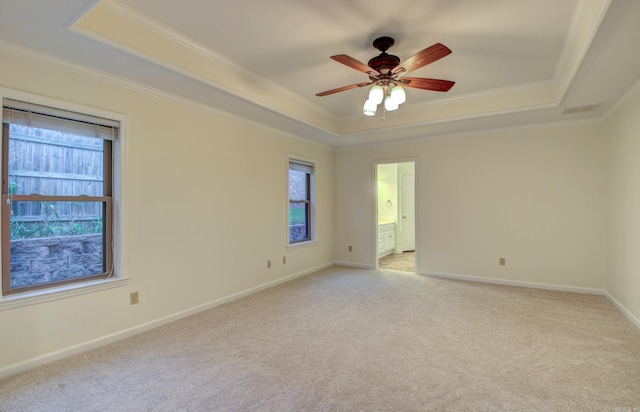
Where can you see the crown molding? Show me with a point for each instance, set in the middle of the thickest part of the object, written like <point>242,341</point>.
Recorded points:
<point>477,133</point>
<point>586,22</point>
<point>107,22</point>
<point>161,29</point>
<point>187,57</point>
<point>90,72</point>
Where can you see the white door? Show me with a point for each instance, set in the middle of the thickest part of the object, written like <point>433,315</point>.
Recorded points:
<point>408,212</point>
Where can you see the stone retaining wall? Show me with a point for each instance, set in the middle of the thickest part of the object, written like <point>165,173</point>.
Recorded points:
<point>297,232</point>
<point>35,261</point>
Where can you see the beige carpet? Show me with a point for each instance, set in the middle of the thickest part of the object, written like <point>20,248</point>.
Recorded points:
<point>359,340</point>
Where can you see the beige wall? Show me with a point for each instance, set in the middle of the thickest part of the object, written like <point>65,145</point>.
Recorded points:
<point>534,196</point>
<point>387,191</point>
<point>206,206</point>
<point>203,187</point>
<point>623,206</point>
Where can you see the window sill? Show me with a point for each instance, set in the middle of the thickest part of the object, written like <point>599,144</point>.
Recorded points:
<point>302,244</point>
<point>41,296</point>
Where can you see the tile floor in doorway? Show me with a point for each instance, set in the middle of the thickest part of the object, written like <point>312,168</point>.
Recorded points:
<point>405,261</point>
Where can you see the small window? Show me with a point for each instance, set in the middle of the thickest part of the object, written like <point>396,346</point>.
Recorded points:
<point>56,197</point>
<point>301,201</point>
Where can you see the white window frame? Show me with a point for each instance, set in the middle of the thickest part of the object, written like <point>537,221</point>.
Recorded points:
<point>312,200</point>
<point>118,278</point>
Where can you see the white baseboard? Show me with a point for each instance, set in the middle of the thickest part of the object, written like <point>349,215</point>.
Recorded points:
<point>353,265</point>
<point>96,343</point>
<point>562,288</point>
<point>622,309</point>
<point>104,340</point>
<point>534,285</point>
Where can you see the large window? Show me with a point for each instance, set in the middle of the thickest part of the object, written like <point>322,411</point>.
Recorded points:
<point>301,201</point>
<point>56,197</point>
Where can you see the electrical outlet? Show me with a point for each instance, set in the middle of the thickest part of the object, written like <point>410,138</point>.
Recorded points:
<point>350,248</point>
<point>503,261</point>
<point>284,260</point>
<point>133,298</point>
<point>268,264</point>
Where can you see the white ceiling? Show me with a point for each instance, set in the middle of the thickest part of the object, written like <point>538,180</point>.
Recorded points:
<point>514,61</point>
<point>289,41</point>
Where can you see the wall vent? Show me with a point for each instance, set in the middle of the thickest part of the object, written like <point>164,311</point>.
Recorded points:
<point>581,109</point>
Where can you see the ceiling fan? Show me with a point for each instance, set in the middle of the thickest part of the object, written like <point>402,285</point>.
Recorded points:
<point>386,73</point>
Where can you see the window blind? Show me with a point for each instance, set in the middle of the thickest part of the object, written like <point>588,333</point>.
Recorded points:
<point>43,117</point>
<point>300,166</point>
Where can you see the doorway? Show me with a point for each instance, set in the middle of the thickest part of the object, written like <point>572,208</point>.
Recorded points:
<point>396,217</point>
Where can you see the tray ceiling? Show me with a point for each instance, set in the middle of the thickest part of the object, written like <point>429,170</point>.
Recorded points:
<point>514,62</point>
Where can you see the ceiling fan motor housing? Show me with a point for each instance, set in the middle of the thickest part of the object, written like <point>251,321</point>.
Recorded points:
<point>384,62</point>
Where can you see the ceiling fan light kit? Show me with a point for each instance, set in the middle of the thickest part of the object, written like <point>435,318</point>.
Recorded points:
<point>390,104</point>
<point>370,108</point>
<point>392,99</point>
<point>385,72</point>
<point>376,94</point>
<point>398,94</point>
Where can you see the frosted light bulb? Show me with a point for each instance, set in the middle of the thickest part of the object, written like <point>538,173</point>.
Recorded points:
<point>390,104</point>
<point>398,95</point>
<point>370,108</point>
<point>376,94</point>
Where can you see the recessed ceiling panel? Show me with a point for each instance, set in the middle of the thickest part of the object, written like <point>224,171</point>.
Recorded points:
<point>496,44</point>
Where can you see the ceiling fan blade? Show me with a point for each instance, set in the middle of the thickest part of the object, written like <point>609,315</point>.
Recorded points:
<point>435,85</point>
<point>344,88</point>
<point>355,64</point>
<point>422,58</point>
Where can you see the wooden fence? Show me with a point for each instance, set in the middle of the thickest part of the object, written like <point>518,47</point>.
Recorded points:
<point>58,164</point>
